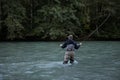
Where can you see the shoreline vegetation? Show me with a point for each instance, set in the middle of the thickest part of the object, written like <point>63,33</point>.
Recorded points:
<point>49,40</point>
<point>54,20</point>
<point>91,38</point>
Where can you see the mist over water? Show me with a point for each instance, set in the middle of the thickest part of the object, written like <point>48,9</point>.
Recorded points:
<point>95,60</point>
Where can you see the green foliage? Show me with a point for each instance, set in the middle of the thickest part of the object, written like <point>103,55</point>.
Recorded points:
<point>14,28</point>
<point>55,19</point>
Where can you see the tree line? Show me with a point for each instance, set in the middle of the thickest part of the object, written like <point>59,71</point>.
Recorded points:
<point>55,19</point>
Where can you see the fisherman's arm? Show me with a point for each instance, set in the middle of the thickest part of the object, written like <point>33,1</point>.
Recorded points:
<point>77,45</point>
<point>63,45</point>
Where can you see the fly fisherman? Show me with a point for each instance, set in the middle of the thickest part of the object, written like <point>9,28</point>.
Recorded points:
<point>70,46</point>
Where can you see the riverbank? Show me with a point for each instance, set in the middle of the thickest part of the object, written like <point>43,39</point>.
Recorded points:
<point>57,40</point>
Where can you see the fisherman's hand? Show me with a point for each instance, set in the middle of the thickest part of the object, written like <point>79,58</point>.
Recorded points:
<point>61,45</point>
<point>80,43</point>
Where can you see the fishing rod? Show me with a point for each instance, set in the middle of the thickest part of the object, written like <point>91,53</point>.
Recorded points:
<point>97,28</point>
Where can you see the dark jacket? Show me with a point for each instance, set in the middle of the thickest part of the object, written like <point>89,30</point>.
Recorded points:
<point>70,42</point>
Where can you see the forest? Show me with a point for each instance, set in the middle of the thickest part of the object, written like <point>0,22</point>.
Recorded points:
<point>53,20</point>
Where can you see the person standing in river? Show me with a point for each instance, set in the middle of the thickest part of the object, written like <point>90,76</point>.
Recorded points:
<point>70,46</point>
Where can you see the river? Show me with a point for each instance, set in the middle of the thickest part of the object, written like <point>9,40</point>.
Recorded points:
<point>95,60</point>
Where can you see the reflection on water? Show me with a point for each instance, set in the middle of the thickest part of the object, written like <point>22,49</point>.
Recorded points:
<point>43,61</point>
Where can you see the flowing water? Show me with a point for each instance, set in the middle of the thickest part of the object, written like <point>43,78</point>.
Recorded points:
<point>95,60</point>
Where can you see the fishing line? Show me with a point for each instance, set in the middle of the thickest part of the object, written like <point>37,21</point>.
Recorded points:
<point>97,28</point>
<point>94,31</point>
